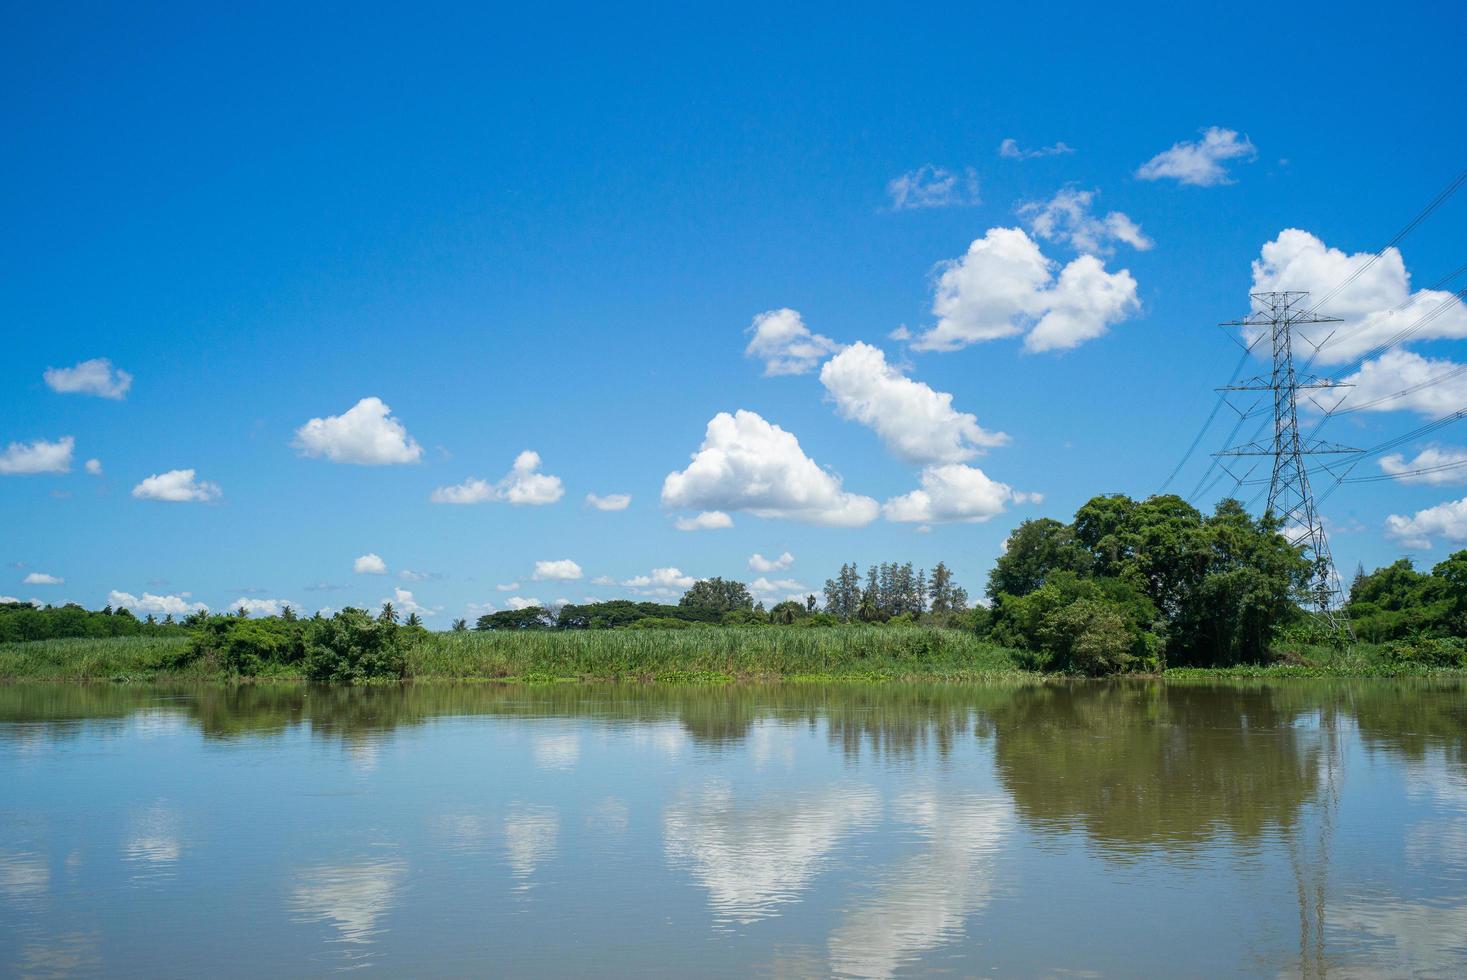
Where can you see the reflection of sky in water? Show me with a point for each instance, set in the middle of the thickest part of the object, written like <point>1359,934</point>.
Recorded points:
<point>869,831</point>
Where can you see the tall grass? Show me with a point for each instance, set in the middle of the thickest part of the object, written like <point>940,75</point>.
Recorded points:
<point>92,657</point>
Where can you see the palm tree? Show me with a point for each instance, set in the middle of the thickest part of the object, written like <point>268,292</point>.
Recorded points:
<point>413,620</point>
<point>460,625</point>
<point>388,614</point>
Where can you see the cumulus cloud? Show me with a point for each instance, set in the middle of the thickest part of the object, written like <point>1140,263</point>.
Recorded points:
<point>159,605</point>
<point>522,602</point>
<point>366,434</point>
<point>403,602</point>
<point>1400,380</point>
<point>708,520</point>
<point>263,607</point>
<point>758,563</point>
<point>1436,460</point>
<point>1375,308</point>
<point>1005,286</point>
<point>954,493</point>
<point>748,464</point>
<point>917,423</point>
<point>41,578</point>
<point>660,581</point>
<point>507,586</point>
<point>785,345</point>
<point>1199,162</point>
<point>40,456</point>
<point>177,486</point>
<point>1010,149</point>
<point>1447,521</point>
<point>94,467</point>
<point>524,485</point>
<point>933,187</point>
<point>612,501</point>
<point>778,589</point>
<point>1067,217</point>
<point>95,377</point>
<point>561,570</point>
<point>370,564</point>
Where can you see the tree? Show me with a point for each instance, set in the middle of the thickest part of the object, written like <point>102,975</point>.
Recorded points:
<point>843,593</point>
<point>717,595</point>
<point>288,614</point>
<point>1034,551</point>
<point>529,618</point>
<point>460,626</point>
<point>414,620</point>
<point>388,614</point>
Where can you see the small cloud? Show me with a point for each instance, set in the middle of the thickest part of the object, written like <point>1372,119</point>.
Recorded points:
<point>263,607</point>
<point>1067,217</point>
<point>366,434</point>
<point>369,564</point>
<point>758,563</point>
<point>603,580</point>
<point>612,501</point>
<point>1199,162</point>
<point>508,586</point>
<point>933,187</point>
<point>1010,149</point>
<point>325,587</point>
<point>403,602</point>
<point>561,570</point>
<point>522,602</point>
<point>660,581</point>
<point>708,520</point>
<point>407,575</point>
<point>523,485</point>
<point>95,377</point>
<point>37,457</point>
<point>159,605</point>
<point>785,345</point>
<point>94,467</point>
<point>177,486</point>
<point>41,578</point>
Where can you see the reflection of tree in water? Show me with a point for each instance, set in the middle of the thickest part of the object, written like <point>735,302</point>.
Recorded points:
<point>1139,765</point>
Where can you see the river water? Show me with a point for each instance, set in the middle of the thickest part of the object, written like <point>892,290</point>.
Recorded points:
<point>1114,829</point>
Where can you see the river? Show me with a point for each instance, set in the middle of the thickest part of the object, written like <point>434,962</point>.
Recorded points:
<point>1301,828</point>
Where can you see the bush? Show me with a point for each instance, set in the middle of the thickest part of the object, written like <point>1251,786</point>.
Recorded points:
<point>248,647</point>
<point>352,647</point>
<point>1429,651</point>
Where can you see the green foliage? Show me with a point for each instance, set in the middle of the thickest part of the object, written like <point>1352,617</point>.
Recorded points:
<point>717,595</point>
<point>1429,651</point>
<point>1396,601</point>
<point>529,618</point>
<point>249,647</point>
<point>20,621</point>
<point>351,647</point>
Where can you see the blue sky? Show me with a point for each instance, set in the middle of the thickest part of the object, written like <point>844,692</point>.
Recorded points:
<point>551,231</point>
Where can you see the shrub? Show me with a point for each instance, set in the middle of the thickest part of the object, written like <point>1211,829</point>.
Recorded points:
<point>352,647</point>
<point>1429,651</point>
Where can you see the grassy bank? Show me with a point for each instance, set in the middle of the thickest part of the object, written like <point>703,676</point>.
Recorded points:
<point>712,653</point>
<point>865,652</point>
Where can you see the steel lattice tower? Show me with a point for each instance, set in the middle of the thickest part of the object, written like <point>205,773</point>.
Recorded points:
<point>1290,499</point>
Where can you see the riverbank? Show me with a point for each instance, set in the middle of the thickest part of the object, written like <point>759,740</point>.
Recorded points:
<point>712,654</point>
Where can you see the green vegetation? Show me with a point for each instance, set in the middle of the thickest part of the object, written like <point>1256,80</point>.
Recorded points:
<point>20,621</point>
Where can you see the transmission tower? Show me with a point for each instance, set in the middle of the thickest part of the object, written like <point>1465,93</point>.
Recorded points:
<point>1275,315</point>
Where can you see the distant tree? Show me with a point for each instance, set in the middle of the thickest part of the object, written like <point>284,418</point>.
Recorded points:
<point>149,619</point>
<point>460,626</point>
<point>843,593</point>
<point>288,614</point>
<point>414,620</point>
<point>388,614</point>
<point>787,612</point>
<point>242,612</point>
<point>810,602</point>
<point>529,618</point>
<point>168,620</point>
<point>717,595</point>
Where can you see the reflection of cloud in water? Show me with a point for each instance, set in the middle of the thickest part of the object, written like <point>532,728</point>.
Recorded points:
<point>668,738</point>
<point>462,831</point>
<point>157,723</point>
<point>923,901</point>
<point>1404,938</point>
<point>24,876</point>
<point>152,842</point>
<point>608,816</point>
<point>364,754</point>
<point>771,741</point>
<point>61,956</point>
<point>529,838</point>
<point>351,897</point>
<point>755,857</point>
<point>559,751</point>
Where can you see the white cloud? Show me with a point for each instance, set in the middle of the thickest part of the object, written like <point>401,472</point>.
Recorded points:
<point>37,457</point>
<point>1376,384</point>
<point>522,602</point>
<point>94,467</point>
<point>780,588</point>
<point>4,599</point>
<point>507,586</point>
<point>1005,286</point>
<point>403,602</point>
<point>408,575</point>
<point>1375,307</point>
<point>785,345</point>
<point>661,581</point>
<point>748,464</point>
<point>758,563</point>
<point>264,607</point>
<point>95,377</point>
<point>1011,150</point>
<point>708,520</point>
<point>954,493</point>
<point>524,485</point>
<point>917,423</point>
<point>177,486</point>
<point>1200,162</point>
<point>603,580</point>
<point>366,434</point>
<point>41,578</point>
<point>1067,217</point>
<point>933,187</point>
<point>1432,457</point>
<point>562,570</point>
<point>159,605</point>
<point>1446,520</point>
<point>612,501</point>
<point>370,564</point>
